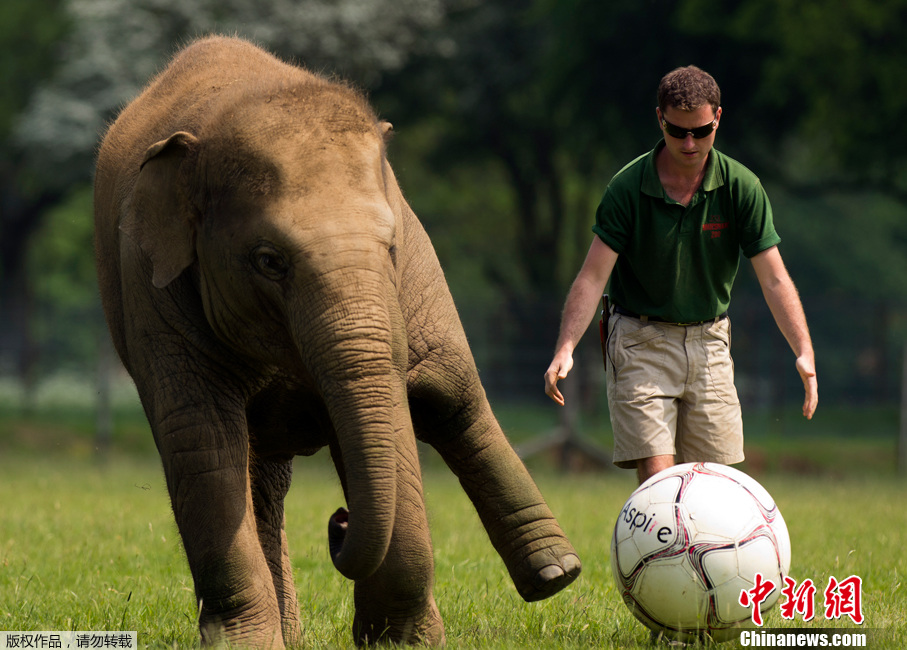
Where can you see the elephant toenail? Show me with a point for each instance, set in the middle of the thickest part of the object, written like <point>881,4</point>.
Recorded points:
<point>571,565</point>
<point>547,574</point>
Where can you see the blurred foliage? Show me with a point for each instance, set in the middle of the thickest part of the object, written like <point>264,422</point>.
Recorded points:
<point>30,31</point>
<point>115,46</point>
<point>831,79</point>
<point>867,230</point>
<point>511,116</point>
<point>30,35</point>
<point>65,284</point>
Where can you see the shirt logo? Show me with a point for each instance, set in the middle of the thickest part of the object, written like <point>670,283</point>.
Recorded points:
<point>715,224</point>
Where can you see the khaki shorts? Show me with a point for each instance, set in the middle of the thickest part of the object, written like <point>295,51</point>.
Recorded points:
<point>671,392</point>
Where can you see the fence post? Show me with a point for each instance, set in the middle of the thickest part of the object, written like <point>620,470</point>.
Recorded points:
<point>104,412</point>
<point>902,441</point>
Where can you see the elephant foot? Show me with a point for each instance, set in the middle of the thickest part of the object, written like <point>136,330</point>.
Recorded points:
<point>543,574</point>
<point>244,618</point>
<point>425,629</point>
<point>215,634</point>
<point>292,632</point>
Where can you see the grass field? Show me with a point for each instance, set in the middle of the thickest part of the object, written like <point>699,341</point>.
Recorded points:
<point>90,545</point>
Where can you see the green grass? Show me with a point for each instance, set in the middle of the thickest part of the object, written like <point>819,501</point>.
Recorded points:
<point>93,547</point>
<point>90,544</point>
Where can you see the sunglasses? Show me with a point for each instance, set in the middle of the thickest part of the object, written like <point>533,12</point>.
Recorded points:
<point>681,133</point>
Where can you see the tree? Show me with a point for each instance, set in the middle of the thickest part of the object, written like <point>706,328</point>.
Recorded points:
<point>64,283</point>
<point>29,32</point>
<point>827,86</point>
<point>116,46</point>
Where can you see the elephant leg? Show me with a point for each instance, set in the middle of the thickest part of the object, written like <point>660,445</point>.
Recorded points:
<point>270,484</point>
<point>451,412</point>
<point>396,603</point>
<point>539,557</point>
<point>204,449</point>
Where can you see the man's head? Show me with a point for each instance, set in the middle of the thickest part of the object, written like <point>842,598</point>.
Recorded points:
<point>689,109</point>
<point>688,89</point>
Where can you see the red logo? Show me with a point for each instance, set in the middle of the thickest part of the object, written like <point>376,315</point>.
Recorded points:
<point>842,598</point>
<point>756,596</point>
<point>802,601</point>
<point>715,224</point>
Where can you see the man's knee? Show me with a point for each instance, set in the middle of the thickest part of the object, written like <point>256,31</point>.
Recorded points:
<point>648,467</point>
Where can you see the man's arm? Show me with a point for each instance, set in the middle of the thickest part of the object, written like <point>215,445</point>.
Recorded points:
<point>579,311</point>
<point>784,303</point>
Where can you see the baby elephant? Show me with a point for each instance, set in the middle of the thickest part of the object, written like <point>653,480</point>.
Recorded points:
<point>271,292</point>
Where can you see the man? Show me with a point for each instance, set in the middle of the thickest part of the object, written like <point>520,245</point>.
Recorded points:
<point>668,235</point>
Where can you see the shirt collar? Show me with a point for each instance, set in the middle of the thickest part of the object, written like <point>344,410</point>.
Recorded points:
<point>651,184</point>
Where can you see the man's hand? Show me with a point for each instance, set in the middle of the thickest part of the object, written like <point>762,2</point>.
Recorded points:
<point>560,366</point>
<point>807,370</point>
<point>784,302</point>
<point>579,310</point>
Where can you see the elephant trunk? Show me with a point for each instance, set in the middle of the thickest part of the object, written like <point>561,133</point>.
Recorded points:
<point>353,364</point>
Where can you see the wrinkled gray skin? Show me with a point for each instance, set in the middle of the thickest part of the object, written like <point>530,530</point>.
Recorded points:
<point>271,292</point>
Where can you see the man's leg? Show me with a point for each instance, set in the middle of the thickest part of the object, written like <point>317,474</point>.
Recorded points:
<point>710,425</point>
<point>648,467</point>
<point>647,369</point>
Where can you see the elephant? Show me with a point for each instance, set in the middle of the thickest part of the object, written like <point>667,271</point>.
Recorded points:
<point>271,293</point>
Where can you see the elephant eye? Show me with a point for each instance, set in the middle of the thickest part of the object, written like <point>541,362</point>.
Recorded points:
<point>270,263</point>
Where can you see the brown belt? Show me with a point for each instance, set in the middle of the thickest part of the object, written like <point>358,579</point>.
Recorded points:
<point>655,319</point>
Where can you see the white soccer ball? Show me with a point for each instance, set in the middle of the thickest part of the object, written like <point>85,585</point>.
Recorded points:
<point>687,543</point>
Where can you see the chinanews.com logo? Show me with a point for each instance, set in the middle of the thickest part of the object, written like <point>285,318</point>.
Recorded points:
<point>813,638</point>
<point>841,599</point>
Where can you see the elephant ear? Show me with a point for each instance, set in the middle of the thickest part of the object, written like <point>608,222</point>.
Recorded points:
<point>387,130</point>
<point>395,195</point>
<point>161,219</point>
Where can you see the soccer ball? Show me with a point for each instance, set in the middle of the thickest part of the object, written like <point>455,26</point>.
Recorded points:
<point>687,543</point>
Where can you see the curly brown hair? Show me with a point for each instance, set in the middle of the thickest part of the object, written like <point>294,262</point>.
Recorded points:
<point>687,89</point>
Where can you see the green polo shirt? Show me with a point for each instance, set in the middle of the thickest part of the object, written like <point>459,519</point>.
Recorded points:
<point>676,262</point>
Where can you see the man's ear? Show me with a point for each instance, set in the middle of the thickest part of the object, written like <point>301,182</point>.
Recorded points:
<point>160,218</point>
